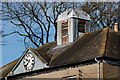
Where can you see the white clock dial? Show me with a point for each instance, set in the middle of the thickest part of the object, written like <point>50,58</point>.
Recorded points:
<point>29,61</point>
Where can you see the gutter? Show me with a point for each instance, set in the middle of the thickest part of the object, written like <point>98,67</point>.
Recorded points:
<point>98,61</point>
<point>65,66</point>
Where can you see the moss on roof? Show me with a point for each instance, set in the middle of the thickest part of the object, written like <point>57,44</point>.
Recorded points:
<point>43,50</point>
<point>5,70</point>
<point>100,43</point>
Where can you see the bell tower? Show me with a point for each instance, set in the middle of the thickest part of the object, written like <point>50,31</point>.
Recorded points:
<point>71,25</point>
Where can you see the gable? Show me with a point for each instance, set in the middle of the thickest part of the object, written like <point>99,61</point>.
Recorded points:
<point>21,68</point>
<point>41,59</point>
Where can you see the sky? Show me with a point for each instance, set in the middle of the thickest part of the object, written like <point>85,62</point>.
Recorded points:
<point>13,48</point>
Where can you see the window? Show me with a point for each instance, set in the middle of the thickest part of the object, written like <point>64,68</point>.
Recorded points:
<point>65,32</point>
<point>81,26</point>
<point>70,78</point>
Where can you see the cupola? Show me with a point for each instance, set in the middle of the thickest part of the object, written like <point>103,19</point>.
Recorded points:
<point>71,25</point>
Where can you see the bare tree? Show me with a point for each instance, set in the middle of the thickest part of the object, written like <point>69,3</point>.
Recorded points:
<point>36,20</point>
<point>103,14</point>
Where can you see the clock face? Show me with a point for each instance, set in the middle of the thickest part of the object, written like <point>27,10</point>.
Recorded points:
<point>29,61</point>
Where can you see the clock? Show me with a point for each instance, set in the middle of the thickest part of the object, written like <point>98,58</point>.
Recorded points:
<point>29,61</point>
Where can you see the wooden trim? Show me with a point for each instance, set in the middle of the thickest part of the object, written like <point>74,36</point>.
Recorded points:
<point>64,28</point>
<point>65,36</point>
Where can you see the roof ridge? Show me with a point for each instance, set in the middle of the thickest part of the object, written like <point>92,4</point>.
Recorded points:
<point>104,45</point>
<point>40,54</point>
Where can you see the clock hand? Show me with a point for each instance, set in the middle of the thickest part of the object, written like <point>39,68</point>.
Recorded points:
<point>28,61</point>
<point>25,62</point>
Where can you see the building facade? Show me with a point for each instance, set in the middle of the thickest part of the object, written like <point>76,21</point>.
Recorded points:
<point>77,54</point>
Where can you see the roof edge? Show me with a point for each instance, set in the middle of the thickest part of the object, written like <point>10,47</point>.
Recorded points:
<point>53,68</point>
<point>36,53</point>
<point>21,57</point>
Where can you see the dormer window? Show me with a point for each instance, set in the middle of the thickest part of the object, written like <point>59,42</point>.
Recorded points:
<point>64,32</point>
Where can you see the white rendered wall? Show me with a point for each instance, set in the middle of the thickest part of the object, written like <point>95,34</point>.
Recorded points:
<point>59,33</point>
<point>38,65</point>
<point>70,29</point>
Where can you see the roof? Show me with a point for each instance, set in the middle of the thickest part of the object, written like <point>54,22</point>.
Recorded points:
<point>42,52</point>
<point>56,51</point>
<point>100,43</point>
<point>5,70</point>
<point>74,13</point>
